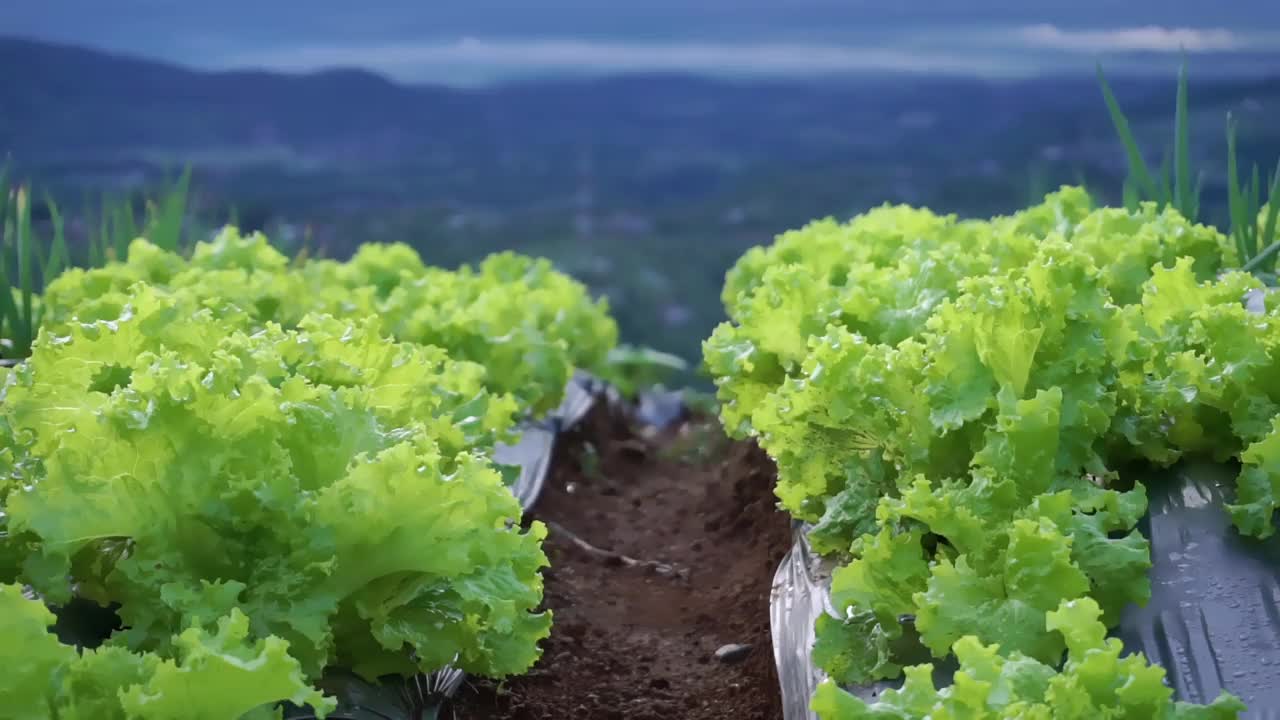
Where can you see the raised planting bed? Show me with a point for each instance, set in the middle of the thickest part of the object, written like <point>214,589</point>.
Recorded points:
<point>984,427</point>
<point>663,548</point>
<point>272,476</point>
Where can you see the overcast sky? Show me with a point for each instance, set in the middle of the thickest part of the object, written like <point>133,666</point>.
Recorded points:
<point>477,40</point>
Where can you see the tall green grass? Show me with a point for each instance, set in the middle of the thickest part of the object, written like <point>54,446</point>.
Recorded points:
<point>30,259</point>
<point>1256,236</point>
<point>26,264</point>
<point>1253,224</point>
<point>1183,193</point>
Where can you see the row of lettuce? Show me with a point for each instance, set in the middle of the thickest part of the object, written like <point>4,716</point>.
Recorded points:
<point>273,469</point>
<point>948,402</point>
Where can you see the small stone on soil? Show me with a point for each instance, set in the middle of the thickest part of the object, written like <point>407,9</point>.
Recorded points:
<point>733,653</point>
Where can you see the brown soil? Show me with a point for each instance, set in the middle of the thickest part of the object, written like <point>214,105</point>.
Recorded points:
<point>638,640</point>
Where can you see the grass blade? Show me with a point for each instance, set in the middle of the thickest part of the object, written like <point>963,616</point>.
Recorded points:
<point>165,229</point>
<point>1131,196</point>
<point>1254,206</point>
<point>26,278</point>
<point>59,256</point>
<point>98,242</point>
<point>1263,257</point>
<point>1196,193</point>
<point>128,229</point>
<point>41,258</point>
<point>8,311</point>
<point>1182,139</point>
<point>1166,198</point>
<point>1137,166</point>
<point>1236,200</point>
<point>124,227</point>
<point>1273,213</point>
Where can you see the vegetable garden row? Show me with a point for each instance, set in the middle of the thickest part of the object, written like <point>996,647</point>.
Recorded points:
<point>274,469</point>
<point>271,469</point>
<point>948,403</point>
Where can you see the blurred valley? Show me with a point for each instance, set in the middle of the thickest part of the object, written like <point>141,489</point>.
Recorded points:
<point>646,187</point>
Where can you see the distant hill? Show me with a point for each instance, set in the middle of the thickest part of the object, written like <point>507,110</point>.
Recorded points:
<point>645,186</point>
<point>83,118</point>
<point>62,104</point>
<point>68,101</point>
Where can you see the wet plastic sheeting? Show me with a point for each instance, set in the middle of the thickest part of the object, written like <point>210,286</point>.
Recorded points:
<point>1213,621</point>
<point>579,397</point>
<point>801,592</point>
<point>532,453</point>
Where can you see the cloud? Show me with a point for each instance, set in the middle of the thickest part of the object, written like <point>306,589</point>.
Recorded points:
<point>411,60</point>
<point>1011,51</point>
<point>1151,38</point>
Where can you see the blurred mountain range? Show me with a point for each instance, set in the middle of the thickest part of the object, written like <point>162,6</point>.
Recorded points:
<point>646,186</point>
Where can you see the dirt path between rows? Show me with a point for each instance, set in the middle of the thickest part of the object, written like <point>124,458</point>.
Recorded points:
<point>662,551</point>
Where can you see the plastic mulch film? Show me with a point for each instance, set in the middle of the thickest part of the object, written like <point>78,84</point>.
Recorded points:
<point>1213,621</point>
<point>532,453</point>
<point>423,696</point>
<point>801,592</point>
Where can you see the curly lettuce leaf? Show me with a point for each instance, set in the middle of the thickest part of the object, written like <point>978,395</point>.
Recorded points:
<point>857,649</point>
<point>277,473</point>
<point>1096,681</point>
<point>214,676</point>
<point>819,432</point>
<point>222,675</point>
<point>1258,487</point>
<point>1007,606</point>
<point>525,324</point>
<point>984,377</point>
